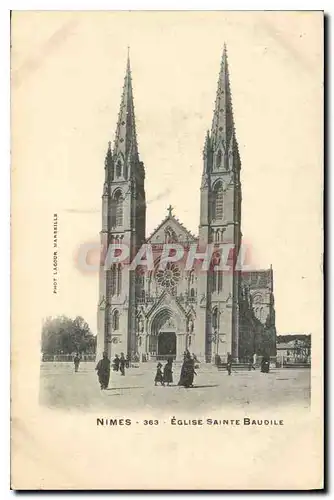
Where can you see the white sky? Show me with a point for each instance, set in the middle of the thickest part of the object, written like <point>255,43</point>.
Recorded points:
<point>66,96</point>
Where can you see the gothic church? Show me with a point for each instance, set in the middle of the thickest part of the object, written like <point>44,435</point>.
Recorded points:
<point>160,313</point>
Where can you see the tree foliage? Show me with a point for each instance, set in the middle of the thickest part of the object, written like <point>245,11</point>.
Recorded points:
<point>63,335</point>
<point>297,336</point>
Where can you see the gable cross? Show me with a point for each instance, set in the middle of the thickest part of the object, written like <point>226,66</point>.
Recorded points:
<point>170,210</point>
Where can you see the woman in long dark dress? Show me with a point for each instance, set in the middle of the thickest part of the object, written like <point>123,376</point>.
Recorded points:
<point>159,376</point>
<point>265,364</point>
<point>168,372</point>
<point>187,371</point>
<point>103,371</point>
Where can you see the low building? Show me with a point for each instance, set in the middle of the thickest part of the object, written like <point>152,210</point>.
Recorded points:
<point>294,351</point>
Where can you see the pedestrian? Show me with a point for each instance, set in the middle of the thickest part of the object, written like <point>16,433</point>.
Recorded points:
<point>116,363</point>
<point>168,372</point>
<point>229,363</point>
<point>187,371</point>
<point>76,361</point>
<point>127,361</point>
<point>265,364</point>
<point>251,363</point>
<point>159,376</point>
<point>254,360</point>
<point>122,364</point>
<point>103,371</point>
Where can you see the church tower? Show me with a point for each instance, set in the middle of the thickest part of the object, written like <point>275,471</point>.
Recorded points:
<point>220,224</point>
<point>123,222</point>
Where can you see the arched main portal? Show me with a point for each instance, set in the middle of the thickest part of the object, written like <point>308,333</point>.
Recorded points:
<point>163,335</point>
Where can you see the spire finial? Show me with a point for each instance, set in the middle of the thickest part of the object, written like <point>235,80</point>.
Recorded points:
<point>170,210</point>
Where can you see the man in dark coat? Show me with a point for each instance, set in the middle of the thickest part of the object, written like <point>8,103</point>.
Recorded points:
<point>76,361</point>
<point>122,364</point>
<point>116,363</point>
<point>103,371</point>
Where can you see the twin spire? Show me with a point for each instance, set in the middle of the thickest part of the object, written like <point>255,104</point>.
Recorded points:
<point>222,130</point>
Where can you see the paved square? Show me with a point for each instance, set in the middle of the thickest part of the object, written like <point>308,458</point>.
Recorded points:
<point>62,388</point>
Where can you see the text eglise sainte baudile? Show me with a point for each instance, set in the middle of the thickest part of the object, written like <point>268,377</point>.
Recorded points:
<point>173,421</point>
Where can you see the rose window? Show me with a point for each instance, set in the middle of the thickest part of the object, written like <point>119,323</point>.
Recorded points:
<point>169,277</point>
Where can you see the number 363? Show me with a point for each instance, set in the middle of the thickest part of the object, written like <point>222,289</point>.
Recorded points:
<point>151,422</point>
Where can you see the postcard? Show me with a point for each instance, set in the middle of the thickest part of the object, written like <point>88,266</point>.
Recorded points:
<point>167,250</point>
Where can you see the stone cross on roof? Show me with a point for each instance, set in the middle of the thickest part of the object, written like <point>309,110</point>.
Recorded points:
<point>170,210</point>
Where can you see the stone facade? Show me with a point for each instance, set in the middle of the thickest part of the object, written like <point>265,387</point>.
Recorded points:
<point>158,313</point>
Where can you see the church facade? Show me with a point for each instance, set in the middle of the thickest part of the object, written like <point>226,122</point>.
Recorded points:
<point>158,313</point>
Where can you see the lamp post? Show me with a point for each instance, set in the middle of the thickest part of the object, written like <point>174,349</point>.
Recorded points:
<point>218,330</point>
<point>215,337</point>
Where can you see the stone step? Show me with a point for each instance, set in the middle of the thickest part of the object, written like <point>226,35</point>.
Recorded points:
<point>235,366</point>
<point>297,365</point>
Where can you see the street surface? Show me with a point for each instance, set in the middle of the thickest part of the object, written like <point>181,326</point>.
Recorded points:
<point>62,388</point>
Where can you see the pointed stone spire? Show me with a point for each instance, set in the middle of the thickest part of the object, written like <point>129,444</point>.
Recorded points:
<point>222,123</point>
<point>125,139</point>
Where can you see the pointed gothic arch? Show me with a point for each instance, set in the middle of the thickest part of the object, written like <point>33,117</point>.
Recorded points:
<point>219,159</point>
<point>115,320</point>
<point>217,201</point>
<point>215,318</point>
<point>119,168</point>
<point>117,208</point>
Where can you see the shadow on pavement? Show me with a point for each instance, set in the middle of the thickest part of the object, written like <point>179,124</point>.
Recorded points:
<point>121,388</point>
<point>204,386</point>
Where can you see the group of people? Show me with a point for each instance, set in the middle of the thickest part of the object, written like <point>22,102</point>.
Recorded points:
<point>120,363</point>
<point>264,366</point>
<point>165,375</point>
<point>265,363</point>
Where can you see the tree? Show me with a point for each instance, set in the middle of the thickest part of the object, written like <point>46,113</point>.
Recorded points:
<point>63,335</point>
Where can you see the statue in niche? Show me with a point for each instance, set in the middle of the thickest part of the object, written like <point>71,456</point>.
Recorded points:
<point>169,323</point>
<point>190,326</point>
<point>141,325</point>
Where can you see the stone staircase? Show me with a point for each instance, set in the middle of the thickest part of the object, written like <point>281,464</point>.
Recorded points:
<point>296,365</point>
